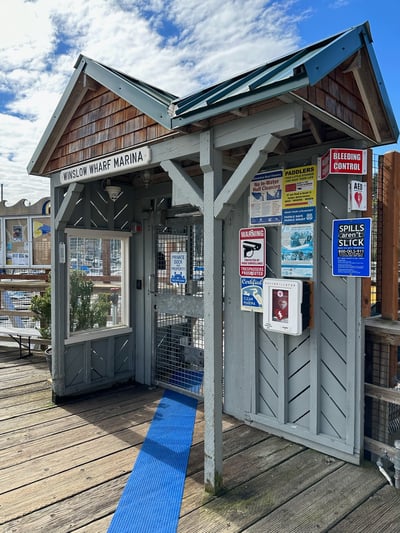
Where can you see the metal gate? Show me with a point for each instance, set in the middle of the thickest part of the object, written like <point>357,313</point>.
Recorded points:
<point>178,305</point>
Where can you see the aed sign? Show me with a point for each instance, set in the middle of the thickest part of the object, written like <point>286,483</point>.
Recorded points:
<point>357,196</point>
<point>342,161</point>
<point>351,247</point>
<point>252,252</point>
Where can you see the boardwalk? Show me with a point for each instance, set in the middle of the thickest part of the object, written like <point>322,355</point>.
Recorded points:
<point>63,468</point>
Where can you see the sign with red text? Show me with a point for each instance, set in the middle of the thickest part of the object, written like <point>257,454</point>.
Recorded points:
<point>342,161</point>
<point>252,252</point>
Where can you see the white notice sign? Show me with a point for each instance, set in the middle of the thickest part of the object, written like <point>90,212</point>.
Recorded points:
<point>178,268</point>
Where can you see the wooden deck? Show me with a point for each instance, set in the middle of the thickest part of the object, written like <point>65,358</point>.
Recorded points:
<point>63,468</point>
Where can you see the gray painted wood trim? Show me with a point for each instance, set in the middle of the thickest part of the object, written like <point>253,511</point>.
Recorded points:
<point>184,190</point>
<point>68,205</point>
<point>211,164</point>
<point>240,179</point>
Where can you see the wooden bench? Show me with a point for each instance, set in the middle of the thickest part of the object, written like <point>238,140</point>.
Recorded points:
<point>24,337</point>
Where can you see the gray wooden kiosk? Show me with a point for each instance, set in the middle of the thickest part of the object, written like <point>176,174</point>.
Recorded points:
<point>161,185</point>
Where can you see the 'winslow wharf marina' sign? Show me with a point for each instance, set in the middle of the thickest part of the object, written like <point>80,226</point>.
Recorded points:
<point>106,166</point>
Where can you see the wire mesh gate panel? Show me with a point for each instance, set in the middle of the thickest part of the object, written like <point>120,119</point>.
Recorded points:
<point>178,307</point>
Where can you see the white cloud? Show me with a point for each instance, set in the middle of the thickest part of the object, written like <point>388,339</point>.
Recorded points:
<point>177,45</point>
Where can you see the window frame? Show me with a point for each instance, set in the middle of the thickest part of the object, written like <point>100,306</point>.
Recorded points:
<point>101,332</point>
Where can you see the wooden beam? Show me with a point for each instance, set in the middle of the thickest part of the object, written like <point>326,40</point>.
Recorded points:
<point>184,190</point>
<point>369,94</point>
<point>279,121</point>
<point>68,205</point>
<point>315,128</point>
<point>242,176</point>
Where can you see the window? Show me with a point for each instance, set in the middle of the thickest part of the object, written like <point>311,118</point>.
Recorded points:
<point>97,280</point>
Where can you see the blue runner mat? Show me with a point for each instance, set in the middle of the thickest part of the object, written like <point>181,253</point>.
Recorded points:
<point>152,497</point>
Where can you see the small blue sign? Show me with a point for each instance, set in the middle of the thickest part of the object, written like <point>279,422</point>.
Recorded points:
<point>251,294</point>
<point>351,247</point>
<point>301,215</point>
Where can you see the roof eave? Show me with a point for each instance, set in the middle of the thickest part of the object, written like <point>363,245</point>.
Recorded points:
<point>74,92</point>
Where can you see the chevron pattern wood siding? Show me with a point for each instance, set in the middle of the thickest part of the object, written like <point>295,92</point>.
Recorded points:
<point>303,383</point>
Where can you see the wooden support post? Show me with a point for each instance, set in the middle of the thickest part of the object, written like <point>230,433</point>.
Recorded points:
<point>366,282</point>
<point>390,235</point>
<point>211,164</point>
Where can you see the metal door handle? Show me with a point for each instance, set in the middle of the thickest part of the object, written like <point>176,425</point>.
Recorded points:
<point>152,283</point>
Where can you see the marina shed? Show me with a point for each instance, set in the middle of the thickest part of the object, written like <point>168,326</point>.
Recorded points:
<point>200,214</point>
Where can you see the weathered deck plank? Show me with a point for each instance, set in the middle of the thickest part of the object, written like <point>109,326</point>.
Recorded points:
<point>380,512</point>
<point>318,509</point>
<point>63,468</point>
<point>252,500</point>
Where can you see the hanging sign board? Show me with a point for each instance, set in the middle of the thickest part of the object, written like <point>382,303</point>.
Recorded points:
<point>342,161</point>
<point>107,166</point>
<point>351,247</point>
<point>179,268</point>
<point>251,290</point>
<point>252,252</point>
<point>357,196</point>
<point>265,204</point>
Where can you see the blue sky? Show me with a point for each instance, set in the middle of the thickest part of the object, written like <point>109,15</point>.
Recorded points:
<point>177,45</point>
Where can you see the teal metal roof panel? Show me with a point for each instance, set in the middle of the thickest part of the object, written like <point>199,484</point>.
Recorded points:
<point>309,65</point>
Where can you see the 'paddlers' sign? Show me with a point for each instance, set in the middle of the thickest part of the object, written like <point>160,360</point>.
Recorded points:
<point>342,161</point>
<point>107,166</point>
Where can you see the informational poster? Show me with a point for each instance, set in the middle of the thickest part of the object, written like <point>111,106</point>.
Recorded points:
<point>297,250</point>
<point>41,242</point>
<point>251,290</point>
<point>299,195</point>
<point>266,198</point>
<point>17,243</point>
<point>351,247</point>
<point>179,268</point>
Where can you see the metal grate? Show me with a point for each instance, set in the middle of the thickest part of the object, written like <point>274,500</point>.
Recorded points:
<point>382,407</point>
<point>187,239</point>
<point>180,352</point>
<point>179,338</point>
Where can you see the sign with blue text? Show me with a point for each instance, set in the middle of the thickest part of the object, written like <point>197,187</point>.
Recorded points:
<point>351,247</point>
<point>251,291</point>
<point>266,198</point>
<point>179,268</point>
